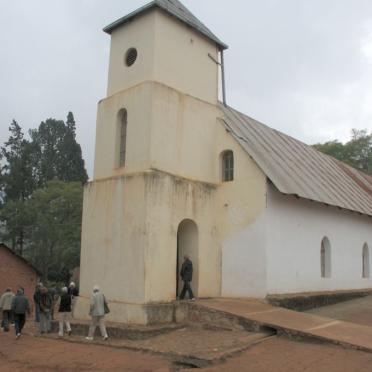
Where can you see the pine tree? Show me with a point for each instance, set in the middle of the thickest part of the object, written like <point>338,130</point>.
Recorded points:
<point>72,168</point>
<point>59,155</point>
<point>17,182</point>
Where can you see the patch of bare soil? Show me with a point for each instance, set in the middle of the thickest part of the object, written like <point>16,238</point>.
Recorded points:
<point>43,354</point>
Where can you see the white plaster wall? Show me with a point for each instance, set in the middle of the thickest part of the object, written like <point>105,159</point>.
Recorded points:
<point>244,262</point>
<point>113,239</point>
<point>168,52</point>
<point>295,229</point>
<point>184,135</point>
<point>139,34</point>
<point>181,59</point>
<point>138,103</point>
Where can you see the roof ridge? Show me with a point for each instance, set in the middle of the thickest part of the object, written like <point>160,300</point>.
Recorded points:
<point>176,9</point>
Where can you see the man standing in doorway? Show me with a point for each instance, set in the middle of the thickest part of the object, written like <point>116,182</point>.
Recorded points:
<point>186,275</point>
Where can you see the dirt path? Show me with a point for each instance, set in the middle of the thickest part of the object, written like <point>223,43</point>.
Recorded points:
<point>277,354</point>
<point>39,355</point>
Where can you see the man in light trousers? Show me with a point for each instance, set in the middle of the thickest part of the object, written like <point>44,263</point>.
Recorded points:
<point>6,307</point>
<point>97,312</point>
<point>64,312</point>
<point>46,304</point>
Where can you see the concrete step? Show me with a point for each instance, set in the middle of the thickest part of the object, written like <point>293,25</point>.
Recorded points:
<point>120,330</point>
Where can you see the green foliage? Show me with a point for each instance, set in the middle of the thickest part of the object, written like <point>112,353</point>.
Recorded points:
<point>17,182</point>
<point>357,152</point>
<point>16,174</point>
<point>41,195</point>
<point>14,218</point>
<point>55,227</point>
<point>57,152</point>
<point>333,148</point>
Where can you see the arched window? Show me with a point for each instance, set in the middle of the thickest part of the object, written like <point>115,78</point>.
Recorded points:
<point>227,159</point>
<point>365,260</point>
<point>325,258</point>
<point>123,118</point>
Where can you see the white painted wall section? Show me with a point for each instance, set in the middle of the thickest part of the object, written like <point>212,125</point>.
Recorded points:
<point>244,262</point>
<point>295,229</point>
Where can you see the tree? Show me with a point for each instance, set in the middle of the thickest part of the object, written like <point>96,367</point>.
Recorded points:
<point>40,204</point>
<point>17,182</point>
<point>17,174</point>
<point>333,148</point>
<point>14,225</point>
<point>55,228</point>
<point>72,164</point>
<point>357,152</point>
<point>59,155</point>
<point>46,140</point>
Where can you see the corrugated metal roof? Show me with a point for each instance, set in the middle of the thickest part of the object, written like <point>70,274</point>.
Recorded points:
<point>176,9</point>
<point>298,169</point>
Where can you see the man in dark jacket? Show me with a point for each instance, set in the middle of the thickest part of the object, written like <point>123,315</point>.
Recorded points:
<point>37,302</point>
<point>64,311</point>
<point>74,293</point>
<point>20,306</point>
<point>72,290</point>
<point>186,275</point>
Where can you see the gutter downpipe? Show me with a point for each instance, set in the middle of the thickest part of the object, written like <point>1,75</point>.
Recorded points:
<point>223,79</point>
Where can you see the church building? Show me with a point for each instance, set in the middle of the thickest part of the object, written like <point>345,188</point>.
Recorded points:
<point>178,172</point>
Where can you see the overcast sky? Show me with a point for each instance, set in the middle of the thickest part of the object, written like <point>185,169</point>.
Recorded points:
<point>302,67</point>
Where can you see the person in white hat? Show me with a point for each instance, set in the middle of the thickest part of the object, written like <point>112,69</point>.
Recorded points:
<point>73,293</point>
<point>64,312</point>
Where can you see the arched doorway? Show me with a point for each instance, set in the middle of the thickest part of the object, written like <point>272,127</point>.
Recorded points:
<point>365,258</point>
<point>325,258</point>
<point>187,243</point>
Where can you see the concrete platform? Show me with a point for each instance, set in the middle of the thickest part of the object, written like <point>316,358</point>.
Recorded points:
<point>311,300</point>
<point>293,323</point>
<point>357,311</point>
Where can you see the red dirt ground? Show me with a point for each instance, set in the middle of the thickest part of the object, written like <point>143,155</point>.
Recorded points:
<point>274,355</point>
<point>39,355</point>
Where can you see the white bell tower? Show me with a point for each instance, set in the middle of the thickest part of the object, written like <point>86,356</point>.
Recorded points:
<point>161,55</point>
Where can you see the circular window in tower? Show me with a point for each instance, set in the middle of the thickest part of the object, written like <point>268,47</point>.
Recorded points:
<point>131,56</point>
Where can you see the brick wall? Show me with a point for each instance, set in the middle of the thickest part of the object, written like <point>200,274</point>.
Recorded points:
<point>14,272</point>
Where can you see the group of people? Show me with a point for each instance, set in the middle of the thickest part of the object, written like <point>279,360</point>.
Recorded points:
<point>46,300</point>
<point>15,307</point>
